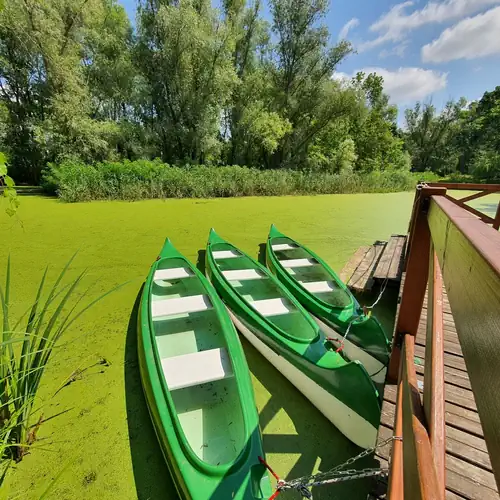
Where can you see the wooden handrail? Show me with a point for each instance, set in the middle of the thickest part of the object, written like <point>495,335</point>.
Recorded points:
<point>465,187</point>
<point>448,245</point>
<point>469,255</point>
<point>483,190</point>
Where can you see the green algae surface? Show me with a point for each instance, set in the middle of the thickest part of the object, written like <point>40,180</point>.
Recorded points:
<point>102,439</point>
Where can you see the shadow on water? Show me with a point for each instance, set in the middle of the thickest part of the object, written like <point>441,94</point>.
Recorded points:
<point>262,254</point>
<point>200,263</point>
<point>315,443</point>
<point>151,475</point>
<point>385,310</point>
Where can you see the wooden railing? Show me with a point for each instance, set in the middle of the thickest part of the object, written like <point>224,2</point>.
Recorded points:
<point>450,244</point>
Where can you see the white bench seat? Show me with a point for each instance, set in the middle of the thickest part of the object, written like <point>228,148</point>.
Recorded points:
<point>182,305</point>
<point>242,274</point>
<point>197,368</point>
<point>283,246</point>
<point>271,307</point>
<point>225,254</point>
<point>172,273</point>
<point>291,263</point>
<point>318,286</point>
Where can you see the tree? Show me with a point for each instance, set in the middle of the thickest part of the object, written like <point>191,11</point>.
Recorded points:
<point>184,53</point>
<point>302,67</point>
<point>430,137</point>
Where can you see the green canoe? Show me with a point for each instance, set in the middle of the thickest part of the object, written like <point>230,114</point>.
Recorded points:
<point>316,286</point>
<point>280,328</point>
<point>197,385</point>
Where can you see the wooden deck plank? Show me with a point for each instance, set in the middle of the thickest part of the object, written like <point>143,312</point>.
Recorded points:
<point>362,278</point>
<point>457,416</point>
<point>449,360</point>
<point>390,265</point>
<point>458,442</point>
<point>462,478</point>
<point>396,267</point>
<point>382,268</point>
<point>353,263</point>
<point>451,376</point>
<point>468,465</point>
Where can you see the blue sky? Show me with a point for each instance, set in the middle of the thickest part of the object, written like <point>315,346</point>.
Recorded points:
<point>425,50</point>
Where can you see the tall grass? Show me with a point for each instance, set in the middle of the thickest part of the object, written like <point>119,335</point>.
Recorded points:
<point>143,179</point>
<point>25,350</point>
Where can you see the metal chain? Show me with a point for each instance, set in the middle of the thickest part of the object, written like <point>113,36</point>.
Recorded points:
<point>337,474</point>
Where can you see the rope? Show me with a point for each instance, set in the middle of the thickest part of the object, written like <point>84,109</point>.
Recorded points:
<point>367,311</point>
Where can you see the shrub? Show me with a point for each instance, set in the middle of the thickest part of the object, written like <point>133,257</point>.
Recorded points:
<point>73,181</point>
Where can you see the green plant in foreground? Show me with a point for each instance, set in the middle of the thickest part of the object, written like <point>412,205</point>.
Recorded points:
<point>25,352</point>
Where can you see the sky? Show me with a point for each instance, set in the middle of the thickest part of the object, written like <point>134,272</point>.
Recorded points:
<point>425,50</point>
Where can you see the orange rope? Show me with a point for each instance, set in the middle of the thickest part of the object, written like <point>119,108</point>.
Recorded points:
<point>268,467</point>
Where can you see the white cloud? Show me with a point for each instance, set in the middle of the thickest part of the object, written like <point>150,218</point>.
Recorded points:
<point>394,25</point>
<point>471,38</point>
<point>349,25</point>
<point>398,50</point>
<point>406,85</point>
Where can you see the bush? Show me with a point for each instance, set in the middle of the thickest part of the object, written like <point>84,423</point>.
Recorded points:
<point>142,179</point>
<point>486,166</point>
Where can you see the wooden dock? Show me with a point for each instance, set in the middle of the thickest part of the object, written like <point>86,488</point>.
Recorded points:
<point>375,264</point>
<point>468,469</point>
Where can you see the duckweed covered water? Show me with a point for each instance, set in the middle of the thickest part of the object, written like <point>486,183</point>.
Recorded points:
<point>104,440</point>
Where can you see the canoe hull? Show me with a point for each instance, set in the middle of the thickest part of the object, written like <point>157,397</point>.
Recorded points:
<point>361,432</point>
<point>242,478</point>
<point>365,333</point>
<point>340,388</point>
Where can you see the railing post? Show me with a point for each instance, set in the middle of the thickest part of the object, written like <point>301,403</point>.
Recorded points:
<point>496,222</point>
<point>434,370</point>
<point>420,478</point>
<point>416,276</point>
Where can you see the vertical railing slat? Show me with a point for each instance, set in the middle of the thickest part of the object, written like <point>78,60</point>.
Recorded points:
<point>395,486</point>
<point>419,472</point>
<point>434,370</point>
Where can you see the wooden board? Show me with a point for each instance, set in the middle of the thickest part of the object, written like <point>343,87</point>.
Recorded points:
<point>469,254</point>
<point>354,262</point>
<point>362,277</point>
<point>459,443</point>
<point>391,261</point>
<point>463,479</point>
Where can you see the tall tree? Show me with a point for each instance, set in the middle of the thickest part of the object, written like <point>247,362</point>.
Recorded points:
<point>430,136</point>
<point>184,52</point>
<point>43,83</point>
<point>303,64</point>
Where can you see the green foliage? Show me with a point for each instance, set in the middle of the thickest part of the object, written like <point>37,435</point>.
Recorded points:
<point>141,179</point>
<point>8,185</point>
<point>263,128</point>
<point>486,166</point>
<point>193,85</point>
<point>431,137</point>
<point>183,53</point>
<point>26,347</point>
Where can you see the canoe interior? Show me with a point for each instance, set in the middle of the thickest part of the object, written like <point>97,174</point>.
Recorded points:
<point>286,249</point>
<point>262,293</point>
<point>209,413</point>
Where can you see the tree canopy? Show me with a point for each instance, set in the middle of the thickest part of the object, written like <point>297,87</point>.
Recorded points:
<point>191,84</point>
